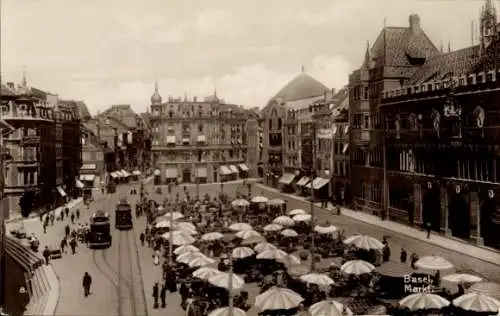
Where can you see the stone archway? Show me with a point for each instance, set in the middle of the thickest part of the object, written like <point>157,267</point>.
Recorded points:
<point>489,226</point>
<point>459,213</point>
<point>431,206</point>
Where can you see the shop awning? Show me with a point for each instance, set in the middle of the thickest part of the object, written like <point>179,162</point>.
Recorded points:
<point>186,140</point>
<point>118,174</point>
<point>287,178</point>
<point>170,139</point>
<point>171,172</point>
<point>136,173</point>
<point>61,191</point>
<point>201,172</point>
<point>345,148</point>
<point>201,138</point>
<point>88,166</point>
<point>87,177</point>
<point>303,181</point>
<point>79,184</point>
<point>114,175</point>
<point>318,183</point>
<point>233,169</point>
<point>224,171</point>
<point>243,167</point>
<point>125,173</point>
<point>157,172</point>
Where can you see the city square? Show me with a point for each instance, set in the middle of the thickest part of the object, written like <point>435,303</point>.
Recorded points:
<point>193,160</point>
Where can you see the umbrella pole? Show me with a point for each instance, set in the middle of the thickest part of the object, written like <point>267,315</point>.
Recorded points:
<point>230,287</point>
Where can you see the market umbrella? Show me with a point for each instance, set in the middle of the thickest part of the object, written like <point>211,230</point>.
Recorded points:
<point>180,238</point>
<point>259,199</point>
<point>186,248</point>
<point>226,311</point>
<point>240,203</point>
<point>364,242</point>
<point>187,230</point>
<point>242,252</point>
<point>284,221</point>
<point>302,217</point>
<point>263,246</point>
<point>276,202</point>
<point>240,227</point>
<point>253,240</point>
<point>205,273</point>
<point>175,216</point>
<point>212,236</point>
<point>475,302</point>
<point>325,229</point>
<point>185,226</point>
<point>273,228</point>
<point>186,257</point>
<point>290,260</point>
<point>278,298</point>
<point>395,269</point>
<point>433,263</point>
<point>289,233</point>
<point>296,211</point>
<point>245,234</point>
<point>357,267</point>
<point>299,269</point>
<point>486,288</point>
<point>329,308</point>
<point>160,208</point>
<point>200,261</point>
<point>461,278</point>
<point>275,254</point>
<point>317,278</point>
<point>222,280</point>
<point>420,301</point>
<point>163,224</point>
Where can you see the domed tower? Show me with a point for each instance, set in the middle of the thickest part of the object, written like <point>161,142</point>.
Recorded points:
<point>156,97</point>
<point>488,25</point>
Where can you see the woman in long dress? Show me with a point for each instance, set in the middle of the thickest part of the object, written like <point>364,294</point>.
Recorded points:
<point>156,257</point>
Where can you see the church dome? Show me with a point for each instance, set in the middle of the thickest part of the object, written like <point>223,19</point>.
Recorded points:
<point>301,87</point>
<point>156,97</point>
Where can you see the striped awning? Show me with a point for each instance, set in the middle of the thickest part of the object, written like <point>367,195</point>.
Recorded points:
<point>201,138</point>
<point>243,167</point>
<point>233,169</point>
<point>88,166</point>
<point>125,173</point>
<point>318,183</point>
<point>170,139</point>
<point>287,178</point>
<point>224,171</point>
<point>114,175</point>
<point>136,173</point>
<point>61,191</point>
<point>79,184</point>
<point>201,172</point>
<point>186,140</point>
<point>303,181</point>
<point>171,172</point>
<point>87,177</point>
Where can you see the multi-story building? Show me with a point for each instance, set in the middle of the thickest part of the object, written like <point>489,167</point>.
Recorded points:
<point>397,53</point>
<point>197,140</point>
<point>280,119</point>
<point>252,130</point>
<point>93,167</point>
<point>440,140</point>
<point>35,173</point>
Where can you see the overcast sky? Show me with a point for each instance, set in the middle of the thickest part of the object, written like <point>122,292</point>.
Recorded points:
<point>112,51</point>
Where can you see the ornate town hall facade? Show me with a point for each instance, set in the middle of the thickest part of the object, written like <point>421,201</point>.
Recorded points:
<point>426,132</point>
<point>198,140</point>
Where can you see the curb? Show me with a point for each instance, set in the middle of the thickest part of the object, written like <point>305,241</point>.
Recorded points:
<point>463,248</point>
<point>51,304</point>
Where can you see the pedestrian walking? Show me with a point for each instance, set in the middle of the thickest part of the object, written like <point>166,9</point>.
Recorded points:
<point>72,218</point>
<point>52,218</point>
<point>62,216</point>
<point>86,283</point>
<point>428,228</point>
<point>66,210</point>
<point>66,230</point>
<point>413,259</point>
<point>64,244</point>
<point>45,227</point>
<point>46,255</point>
<point>142,237</point>
<point>155,295</point>
<point>72,244</point>
<point>386,253</point>
<point>403,255</point>
<point>77,214</point>
<point>163,296</point>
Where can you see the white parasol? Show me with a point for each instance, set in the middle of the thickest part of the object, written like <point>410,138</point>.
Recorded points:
<point>317,278</point>
<point>278,298</point>
<point>421,301</point>
<point>175,216</point>
<point>302,217</point>
<point>180,238</point>
<point>357,267</point>
<point>364,242</point>
<point>212,236</point>
<point>296,212</point>
<point>240,203</point>
<point>263,246</point>
<point>222,280</point>
<point>433,263</point>
<point>242,252</point>
<point>240,227</point>
<point>273,228</point>
<point>290,259</point>
<point>245,234</point>
<point>275,254</point>
<point>200,261</point>
<point>276,202</point>
<point>325,229</point>
<point>461,278</point>
<point>289,233</point>
<point>227,311</point>
<point>284,221</point>
<point>475,302</point>
<point>329,308</point>
<point>205,273</point>
<point>186,248</point>
<point>259,199</point>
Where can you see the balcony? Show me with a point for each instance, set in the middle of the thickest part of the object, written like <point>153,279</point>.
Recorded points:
<point>30,139</point>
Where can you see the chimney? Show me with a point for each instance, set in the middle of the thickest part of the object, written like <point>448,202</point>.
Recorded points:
<point>11,85</point>
<point>414,23</point>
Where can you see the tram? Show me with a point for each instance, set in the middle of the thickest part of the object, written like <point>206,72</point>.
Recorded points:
<point>123,215</point>
<point>99,234</point>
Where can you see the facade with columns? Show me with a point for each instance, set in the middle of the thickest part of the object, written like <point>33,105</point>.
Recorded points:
<point>197,141</point>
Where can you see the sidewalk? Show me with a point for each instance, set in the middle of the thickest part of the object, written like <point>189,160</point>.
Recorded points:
<point>18,217</point>
<point>484,254</point>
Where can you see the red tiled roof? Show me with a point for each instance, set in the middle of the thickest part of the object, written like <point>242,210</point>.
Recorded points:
<point>401,45</point>
<point>454,63</point>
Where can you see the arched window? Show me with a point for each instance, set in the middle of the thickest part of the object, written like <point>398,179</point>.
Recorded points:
<point>270,124</point>
<point>279,123</point>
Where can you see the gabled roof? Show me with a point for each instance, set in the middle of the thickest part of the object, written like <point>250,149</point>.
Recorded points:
<point>122,113</point>
<point>83,110</point>
<point>6,91</point>
<point>396,46</point>
<point>302,103</point>
<point>442,66</point>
